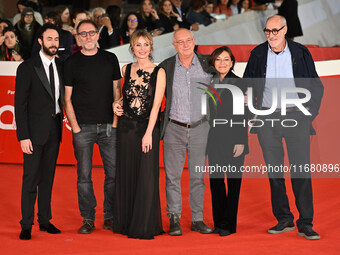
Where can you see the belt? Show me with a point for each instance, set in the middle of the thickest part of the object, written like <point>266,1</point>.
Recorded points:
<point>189,125</point>
<point>288,109</point>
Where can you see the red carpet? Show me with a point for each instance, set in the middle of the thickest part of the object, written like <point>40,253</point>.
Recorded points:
<point>255,217</point>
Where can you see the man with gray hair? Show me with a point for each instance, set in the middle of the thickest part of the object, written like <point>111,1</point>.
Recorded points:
<point>280,62</point>
<point>185,130</point>
<point>107,34</point>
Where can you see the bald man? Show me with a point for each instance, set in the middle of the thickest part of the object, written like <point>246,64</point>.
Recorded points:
<point>279,62</point>
<point>184,130</point>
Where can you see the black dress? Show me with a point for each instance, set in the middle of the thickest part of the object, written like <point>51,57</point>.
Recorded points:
<point>137,211</point>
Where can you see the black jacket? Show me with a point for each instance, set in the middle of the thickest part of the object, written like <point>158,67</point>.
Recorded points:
<point>184,23</point>
<point>227,135</point>
<point>303,67</point>
<point>34,104</point>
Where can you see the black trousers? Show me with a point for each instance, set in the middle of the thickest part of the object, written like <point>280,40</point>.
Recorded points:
<point>297,140</point>
<point>39,168</point>
<point>225,205</point>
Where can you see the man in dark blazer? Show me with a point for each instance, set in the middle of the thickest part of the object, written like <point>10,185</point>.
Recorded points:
<point>38,112</point>
<point>177,7</point>
<point>281,62</point>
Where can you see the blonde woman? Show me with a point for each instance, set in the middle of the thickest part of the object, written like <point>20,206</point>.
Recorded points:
<point>137,203</point>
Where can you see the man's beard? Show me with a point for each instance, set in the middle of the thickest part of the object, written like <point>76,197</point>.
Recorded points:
<point>48,50</point>
<point>90,48</point>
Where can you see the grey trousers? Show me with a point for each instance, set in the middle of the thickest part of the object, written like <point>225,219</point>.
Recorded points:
<point>178,141</point>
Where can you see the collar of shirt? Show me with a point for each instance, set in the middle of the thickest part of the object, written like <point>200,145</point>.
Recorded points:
<point>282,52</point>
<point>45,60</point>
<point>179,10</point>
<point>179,63</point>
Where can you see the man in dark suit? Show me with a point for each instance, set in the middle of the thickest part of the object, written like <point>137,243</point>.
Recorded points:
<point>280,63</point>
<point>178,8</point>
<point>38,112</point>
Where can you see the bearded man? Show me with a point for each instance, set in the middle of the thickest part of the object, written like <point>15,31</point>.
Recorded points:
<point>39,95</point>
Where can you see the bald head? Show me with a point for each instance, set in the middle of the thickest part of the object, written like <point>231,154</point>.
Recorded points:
<point>277,18</point>
<point>276,30</point>
<point>182,32</point>
<point>184,43</point>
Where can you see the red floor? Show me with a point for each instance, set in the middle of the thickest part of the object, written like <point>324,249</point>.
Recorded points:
<point>255,218</point>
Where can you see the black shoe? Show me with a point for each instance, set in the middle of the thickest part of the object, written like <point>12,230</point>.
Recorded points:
<point>282,227</point>
<point>308,233</point>
<point>200,227</point>
<point>175,226</point>
<point>221,231</point>
<point>25,234</point>
<point>50,228</point>
<point>87,227</point>
<point>108,224</point>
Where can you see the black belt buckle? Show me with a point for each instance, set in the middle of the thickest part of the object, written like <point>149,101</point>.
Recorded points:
<point>187,125</point>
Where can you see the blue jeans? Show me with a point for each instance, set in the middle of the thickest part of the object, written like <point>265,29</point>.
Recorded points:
<point>105,136</point>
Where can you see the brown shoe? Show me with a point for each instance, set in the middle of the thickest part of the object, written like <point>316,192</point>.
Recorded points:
<point>87,227</point>
<point>108,224</point>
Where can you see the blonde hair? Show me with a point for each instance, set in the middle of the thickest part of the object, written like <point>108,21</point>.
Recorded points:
<point>141,33</point>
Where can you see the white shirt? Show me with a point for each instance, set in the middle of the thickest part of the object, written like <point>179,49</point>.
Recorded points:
<point>46,63</point>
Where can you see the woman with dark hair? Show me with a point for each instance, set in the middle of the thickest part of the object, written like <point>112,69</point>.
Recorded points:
<point>114,13</point>
<point>137,203</point>
<point>27,28</point>
<point>245,6</point>
<point>169,18</point>
<point>65,16</point>
<point>223,8</point>
<point>130,24</point>
<point>227,144</point>
<point>11,49</point>
<point>150,18</point>
<point>196,15</point>
<point>3,24</point>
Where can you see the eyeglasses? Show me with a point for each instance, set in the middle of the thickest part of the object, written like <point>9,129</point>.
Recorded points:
<point>132,20</point>
<point>188,41</point>
<point>273,31</point>
<point>90,33</point>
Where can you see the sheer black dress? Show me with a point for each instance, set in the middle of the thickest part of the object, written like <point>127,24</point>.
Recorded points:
<point>137,211</point>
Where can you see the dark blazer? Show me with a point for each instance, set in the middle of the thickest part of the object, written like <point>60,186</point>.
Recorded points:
<point>168,23</point>
<point>107,41</point>
<point>169,66</point>
<point>289,10</point>
<point>184,23</point>
<point>226,135</point>
<point>34,104</point>
<point>303,67</point>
